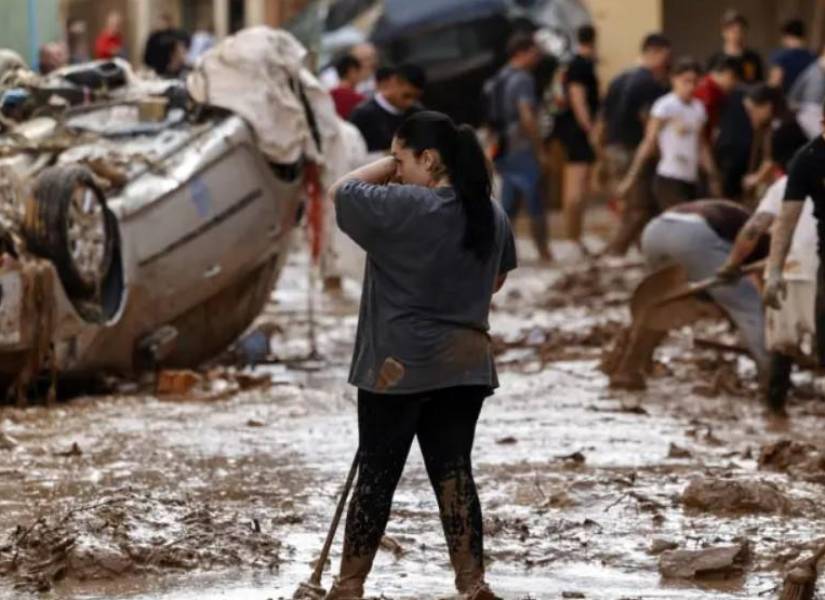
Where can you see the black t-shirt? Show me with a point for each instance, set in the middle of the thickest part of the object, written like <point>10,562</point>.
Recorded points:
<point>726,218</point>
<point>749,65</point>
<point>378,126</point>
<point>582,70</point>
<point>787,138</point>
<point>806,177</point>
<point>735,129</point>
<point>631,95</point>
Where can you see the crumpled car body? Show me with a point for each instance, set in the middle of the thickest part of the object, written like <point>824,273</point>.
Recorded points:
<point>201,224</point>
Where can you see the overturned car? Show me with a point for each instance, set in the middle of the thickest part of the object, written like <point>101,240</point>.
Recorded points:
<point>148,227</point>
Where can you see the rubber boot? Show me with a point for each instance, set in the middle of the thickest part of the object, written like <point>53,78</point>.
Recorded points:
<point>349,585</point>
<point>459,509</point>
<point>778,382</point>
<point>538,231</point>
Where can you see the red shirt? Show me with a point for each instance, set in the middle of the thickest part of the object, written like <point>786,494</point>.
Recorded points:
<point>108,45</point>
<point>712,97</point>
<point>346,99</point>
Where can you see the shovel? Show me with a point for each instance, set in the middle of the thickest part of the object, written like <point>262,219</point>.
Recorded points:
<point>666,300</point>
<point>312,588</point>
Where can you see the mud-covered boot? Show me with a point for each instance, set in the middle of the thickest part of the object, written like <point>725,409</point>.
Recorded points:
<point>349,585</point>
<point>776,383</point>
<point>482,591</point>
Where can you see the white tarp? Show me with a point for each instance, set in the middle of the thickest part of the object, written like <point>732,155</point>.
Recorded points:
<point>257,74</point>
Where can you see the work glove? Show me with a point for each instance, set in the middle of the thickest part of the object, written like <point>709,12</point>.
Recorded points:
<point>775,291</point>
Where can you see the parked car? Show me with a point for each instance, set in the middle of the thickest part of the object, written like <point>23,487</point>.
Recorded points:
<point>462,43</point>
<point>132,239</point>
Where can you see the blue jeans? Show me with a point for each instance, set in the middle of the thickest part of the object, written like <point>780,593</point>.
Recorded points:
<point>520,177</point>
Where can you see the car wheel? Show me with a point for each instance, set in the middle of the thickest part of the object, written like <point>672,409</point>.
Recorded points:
<point>67,221</point>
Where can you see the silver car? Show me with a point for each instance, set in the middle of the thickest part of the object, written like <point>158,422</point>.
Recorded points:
<point>145,243</point>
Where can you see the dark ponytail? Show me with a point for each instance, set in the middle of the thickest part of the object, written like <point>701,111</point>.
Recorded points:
<point>466,167</point>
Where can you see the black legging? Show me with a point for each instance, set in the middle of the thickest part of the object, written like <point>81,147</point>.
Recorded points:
<point>444,422</point>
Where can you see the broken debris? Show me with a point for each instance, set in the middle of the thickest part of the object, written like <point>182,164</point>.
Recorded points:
<point>731,495</point>
<point>131,533</point>
<point>715,561</point>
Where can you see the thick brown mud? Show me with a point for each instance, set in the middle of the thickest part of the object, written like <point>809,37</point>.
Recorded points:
<point>225,491</point>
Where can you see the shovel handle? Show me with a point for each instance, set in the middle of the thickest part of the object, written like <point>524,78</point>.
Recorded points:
<point>706,284</point>
<point>317,573</point>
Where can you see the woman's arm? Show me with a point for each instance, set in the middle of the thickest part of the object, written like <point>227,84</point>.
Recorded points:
<point>378,172</point>
<point>643,154</point>
<point>762,174</point>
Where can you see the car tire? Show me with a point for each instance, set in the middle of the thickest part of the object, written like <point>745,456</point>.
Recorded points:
<point>68,222</point>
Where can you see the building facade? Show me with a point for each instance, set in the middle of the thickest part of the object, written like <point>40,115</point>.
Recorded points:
<point>693,26</point>
<point>26,24</point>
<point>141,16</point>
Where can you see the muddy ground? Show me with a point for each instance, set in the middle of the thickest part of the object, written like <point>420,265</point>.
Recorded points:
<point>225,491</point>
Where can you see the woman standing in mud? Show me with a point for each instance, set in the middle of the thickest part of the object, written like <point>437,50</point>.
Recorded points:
<point>438,248</point>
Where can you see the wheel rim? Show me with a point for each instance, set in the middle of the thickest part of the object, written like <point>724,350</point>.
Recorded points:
<point>86,229</point>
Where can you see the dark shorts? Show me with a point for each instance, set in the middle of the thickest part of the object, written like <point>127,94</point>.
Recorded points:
<point>576,144</point>
<point>669,192</point>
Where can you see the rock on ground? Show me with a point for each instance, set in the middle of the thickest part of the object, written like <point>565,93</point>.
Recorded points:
<point>707,562</point>
<point>730,495</point>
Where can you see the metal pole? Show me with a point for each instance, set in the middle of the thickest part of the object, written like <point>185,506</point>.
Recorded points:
<point>220,17</point>
<point>34,42</point>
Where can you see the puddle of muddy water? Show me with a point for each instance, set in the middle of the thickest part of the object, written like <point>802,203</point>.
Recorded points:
<point>576,481</point>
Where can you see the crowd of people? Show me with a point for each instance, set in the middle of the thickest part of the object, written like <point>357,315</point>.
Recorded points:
<point>668,132</point>
<point>169,51</point>
<point>689,152</point>
<point>688,148</point>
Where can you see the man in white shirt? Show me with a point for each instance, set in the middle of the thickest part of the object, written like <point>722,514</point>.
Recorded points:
<point>675,128</point>
<point>790,330</point>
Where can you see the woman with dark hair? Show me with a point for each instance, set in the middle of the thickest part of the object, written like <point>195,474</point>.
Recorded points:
<point>438,248</point>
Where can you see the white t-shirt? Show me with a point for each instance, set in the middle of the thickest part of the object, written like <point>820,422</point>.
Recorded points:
<point>803,260</point>
<point>679,136</point>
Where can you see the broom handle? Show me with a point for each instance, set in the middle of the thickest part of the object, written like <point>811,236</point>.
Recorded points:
<point>336,519</point>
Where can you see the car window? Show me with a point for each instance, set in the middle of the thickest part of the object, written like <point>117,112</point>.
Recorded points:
<point>433,47</point>
<point>343,12</point>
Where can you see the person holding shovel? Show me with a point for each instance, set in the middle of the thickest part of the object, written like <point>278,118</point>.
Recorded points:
<point>789,328</point>
<point>698,236</point>
<point>438,248</point>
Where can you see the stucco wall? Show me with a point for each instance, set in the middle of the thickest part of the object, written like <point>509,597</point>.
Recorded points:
<point>621,25</point>
<point>14,24</point>
<point>694,26</point>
